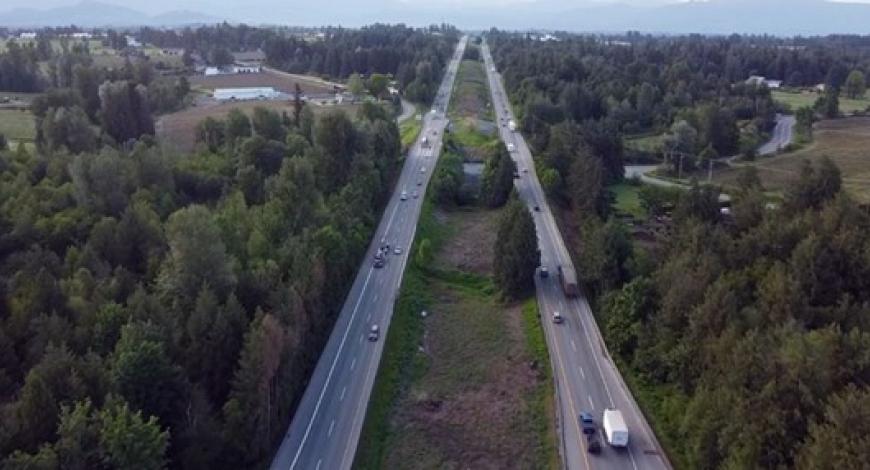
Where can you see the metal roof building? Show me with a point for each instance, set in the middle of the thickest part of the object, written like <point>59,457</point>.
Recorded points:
<point>249,93</point>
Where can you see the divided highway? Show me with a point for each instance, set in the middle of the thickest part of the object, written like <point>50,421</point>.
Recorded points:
<point>326,428</point>
<point>586,378</point>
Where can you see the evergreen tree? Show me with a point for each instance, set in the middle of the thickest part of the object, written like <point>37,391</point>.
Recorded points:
<point>516,250</point>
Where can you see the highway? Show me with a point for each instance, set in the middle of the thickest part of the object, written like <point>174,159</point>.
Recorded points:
<point>326,427</point>
<point>586,378</point>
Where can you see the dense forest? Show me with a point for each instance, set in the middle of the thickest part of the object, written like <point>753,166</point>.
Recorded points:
<point>749,331</point>
<point>414,56</point>
<point>185,298</point>
<point>165,310</point>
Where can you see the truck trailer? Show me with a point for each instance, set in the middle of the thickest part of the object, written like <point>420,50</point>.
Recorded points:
<point>615,430</point>
<point>568,279</point>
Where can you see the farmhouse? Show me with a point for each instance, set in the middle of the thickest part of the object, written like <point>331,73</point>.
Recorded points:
<point>244,94</point>
<point>27,35</point>
<point>758,80</point>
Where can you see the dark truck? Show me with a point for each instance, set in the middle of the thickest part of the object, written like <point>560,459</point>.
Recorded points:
<point>568,279</point>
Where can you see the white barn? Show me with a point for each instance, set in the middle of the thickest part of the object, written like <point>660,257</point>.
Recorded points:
<point>248,93</point>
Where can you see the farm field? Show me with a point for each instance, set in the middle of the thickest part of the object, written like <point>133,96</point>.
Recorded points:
<point>17,125</point>
<point>280,82</point>
<point>844,141</point>
<point>795,100</point>
<point>178,130</point>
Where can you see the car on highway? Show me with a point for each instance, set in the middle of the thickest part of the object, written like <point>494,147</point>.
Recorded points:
<point>537,208</point>
<point>593,445</point>
<point>398,250</point>
<point>404,196</point>
<point>374,333</point>
<point>525,170</point>
<point>557,317</point>
<point>415,194</point>
<point>423,169</point>
<point>419,182</point>
<point>544,272</point>
<point>587,422</point>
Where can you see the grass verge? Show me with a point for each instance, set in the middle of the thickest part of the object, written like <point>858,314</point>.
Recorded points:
<point>626,199</point>
<point>540,401</point>
<point>398,366</point>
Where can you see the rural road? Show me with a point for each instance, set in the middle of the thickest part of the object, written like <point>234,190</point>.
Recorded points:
<point>408,110</point>
<point>781,135</point>
<point>586,377</point>
<point>326,427</point>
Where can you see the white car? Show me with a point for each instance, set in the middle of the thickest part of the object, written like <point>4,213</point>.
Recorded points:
<point>404,196</point>
<point>557,317</point>
<point>415,194</point>
<point>374,333</point>
<point>397,250</point>
<point>423,170</point>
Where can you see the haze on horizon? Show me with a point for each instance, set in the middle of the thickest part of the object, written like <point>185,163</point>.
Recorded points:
<point>779,17</point>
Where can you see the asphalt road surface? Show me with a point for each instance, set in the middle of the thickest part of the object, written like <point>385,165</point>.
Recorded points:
<point>586,378</point>
<point>781,135</point>
<point>326,428</point>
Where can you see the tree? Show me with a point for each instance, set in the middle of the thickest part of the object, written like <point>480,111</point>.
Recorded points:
<point>355,85</point>
<point>377,85</point>
<point>69,128</point>
<point>220,57</point>
<point>197,256</point>
<point>238,126</point>
<point>814,186</point>
<point>267,124</point>
<point>498,178</point>
<point>828,105</point>
<point>124,110</point>
<point>211,133</point>
<point>130,441</point>
<point>586,185</point>
<point>804,118</point>
<point>855,85</point>
<point>144,375</point>
<point>516,250</point>
<point>839,440</point>
<point>249,411</point>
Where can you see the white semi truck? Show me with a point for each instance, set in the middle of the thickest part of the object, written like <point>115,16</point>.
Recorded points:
<point>615,430</point>
<point>512,125</point>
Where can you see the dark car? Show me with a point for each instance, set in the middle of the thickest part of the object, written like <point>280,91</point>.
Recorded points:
<point>587,422</point>
<point>592,444</point>
<point>537,209</point>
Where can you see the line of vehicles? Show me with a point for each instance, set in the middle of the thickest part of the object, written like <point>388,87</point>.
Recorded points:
<point>612,421</point>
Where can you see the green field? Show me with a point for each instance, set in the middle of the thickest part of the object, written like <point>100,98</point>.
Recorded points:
<point>795,100</point>
<point>626,199</point>
<point>470,109</point>
<point>651,143</point>
<point>844,141</point>
<point>17,125</point>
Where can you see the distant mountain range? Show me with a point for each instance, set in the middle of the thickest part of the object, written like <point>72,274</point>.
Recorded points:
<point>95,14</point>
<point>778,17</point>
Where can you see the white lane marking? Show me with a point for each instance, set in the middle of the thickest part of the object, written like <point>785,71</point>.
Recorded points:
<point>329,374</point>
<point>582,374</point>
<point>591,405</point>
<point>369,317</point>
<point>376,297</point>
<point>361,338</point>
<point>343,390</point>
<point>319,462</point>
<point>352,363</point>
<point>331,427</point>
<point>573,346</point>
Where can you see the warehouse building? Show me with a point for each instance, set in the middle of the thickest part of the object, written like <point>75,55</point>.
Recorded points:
<point>244,94</point>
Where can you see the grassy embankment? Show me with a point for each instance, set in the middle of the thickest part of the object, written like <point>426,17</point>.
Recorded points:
<point>795,100</point>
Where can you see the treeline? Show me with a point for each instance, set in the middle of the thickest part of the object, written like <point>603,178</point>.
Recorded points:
<point>415,57</point>
<point>755,327</point>
<point>166,311</point>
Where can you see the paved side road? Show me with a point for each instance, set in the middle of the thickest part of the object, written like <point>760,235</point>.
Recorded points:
<point>585,375</point>
<point>326,427</point>
<point>781,136</point>
<point>408,110</point>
